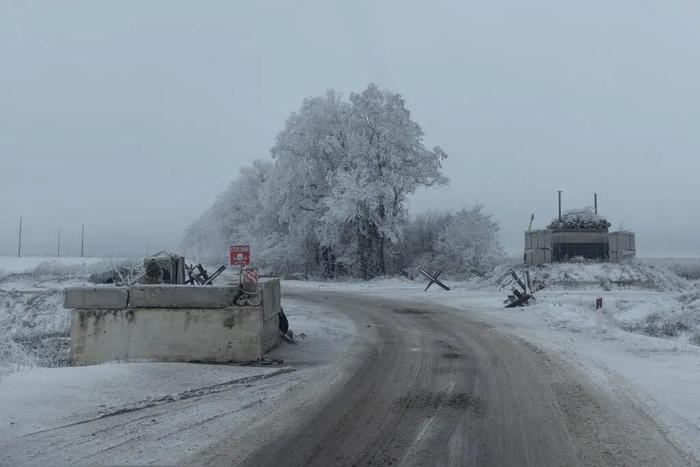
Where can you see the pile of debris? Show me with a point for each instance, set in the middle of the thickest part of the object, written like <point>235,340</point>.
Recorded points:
<point>162,268</point>
<point>580,219</point>
<point>518,298</point>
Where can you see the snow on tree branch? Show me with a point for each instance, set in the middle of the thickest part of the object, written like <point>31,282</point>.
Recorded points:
<point>333,200</point>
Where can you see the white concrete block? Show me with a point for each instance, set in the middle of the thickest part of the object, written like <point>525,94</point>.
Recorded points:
<point>99,336</point>
<point>270,297</point>
<point>197,335</point>
<point>169,335</point>
<point>95,298</point>
<point>270,333</point>
<point>182,296</point>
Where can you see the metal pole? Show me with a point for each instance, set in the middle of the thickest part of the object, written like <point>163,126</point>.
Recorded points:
<point>58,244</point>
<point>82,242</point>
<point>19,242</point>
<point>595,203</point>
<point>559,205</point>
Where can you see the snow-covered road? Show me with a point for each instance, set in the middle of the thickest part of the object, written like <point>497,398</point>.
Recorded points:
<point>432,385</point>
<point>660,375</point>
<point>378,375</point>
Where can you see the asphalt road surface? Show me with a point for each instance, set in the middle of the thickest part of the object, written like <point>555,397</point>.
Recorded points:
<point>376,381</point>
<point>428,386</point>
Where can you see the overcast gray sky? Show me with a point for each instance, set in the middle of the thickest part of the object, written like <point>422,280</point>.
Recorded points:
<point>131,116</point>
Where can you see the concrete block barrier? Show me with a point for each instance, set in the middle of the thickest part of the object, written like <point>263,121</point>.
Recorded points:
<point>96,298</point>
<point>270,297</point>
<point>182,296</point>
<point>214,335</point>
<point>171,323</point>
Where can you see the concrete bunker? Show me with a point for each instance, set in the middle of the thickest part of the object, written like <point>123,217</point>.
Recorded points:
<point>580,234</point>
<point>173,323</point>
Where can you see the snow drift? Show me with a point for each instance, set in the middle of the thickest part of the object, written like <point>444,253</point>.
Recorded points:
<point>604,276</point>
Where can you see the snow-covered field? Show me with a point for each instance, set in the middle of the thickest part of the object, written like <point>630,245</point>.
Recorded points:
<point>34,326</point>
<point>27,264</point>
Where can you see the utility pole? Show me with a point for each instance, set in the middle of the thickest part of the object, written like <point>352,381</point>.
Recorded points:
<point>82,242</point>
<point>58,244</point>
<point>19,242</point>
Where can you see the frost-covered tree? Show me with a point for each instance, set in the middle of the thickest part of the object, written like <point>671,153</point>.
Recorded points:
<point>237,216</point>
<point>387,161</point>
<point>469,242</point>
<point>308,152</point>
<point>333,200</point>
<point>420,236</point>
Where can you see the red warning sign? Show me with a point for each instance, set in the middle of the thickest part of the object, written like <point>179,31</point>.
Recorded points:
<point>239,255</point>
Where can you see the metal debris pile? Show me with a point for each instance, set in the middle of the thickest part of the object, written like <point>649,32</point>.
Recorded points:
<point>518,298</point>
<point>162,268</point>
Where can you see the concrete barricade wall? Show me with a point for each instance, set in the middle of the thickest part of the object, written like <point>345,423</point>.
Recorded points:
<point>192,324</point>
<point>96,298</point>
<point>622,246</point>
<point>538,247</point>
<point>270,297</point>
<point>182,296</point>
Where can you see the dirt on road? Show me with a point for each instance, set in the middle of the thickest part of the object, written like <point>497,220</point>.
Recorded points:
<point>426,386</point>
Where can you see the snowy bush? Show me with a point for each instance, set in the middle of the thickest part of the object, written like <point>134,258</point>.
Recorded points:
<point>469,242</point>
<point>461,243</point>
<point>656,326</point>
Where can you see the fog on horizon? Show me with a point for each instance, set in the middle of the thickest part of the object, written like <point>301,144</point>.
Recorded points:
<point>131,117</point>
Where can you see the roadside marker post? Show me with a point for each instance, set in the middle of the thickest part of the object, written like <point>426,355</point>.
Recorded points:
<point>599,314</point>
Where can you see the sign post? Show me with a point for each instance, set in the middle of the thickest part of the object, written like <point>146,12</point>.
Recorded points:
<point>239,255</point>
